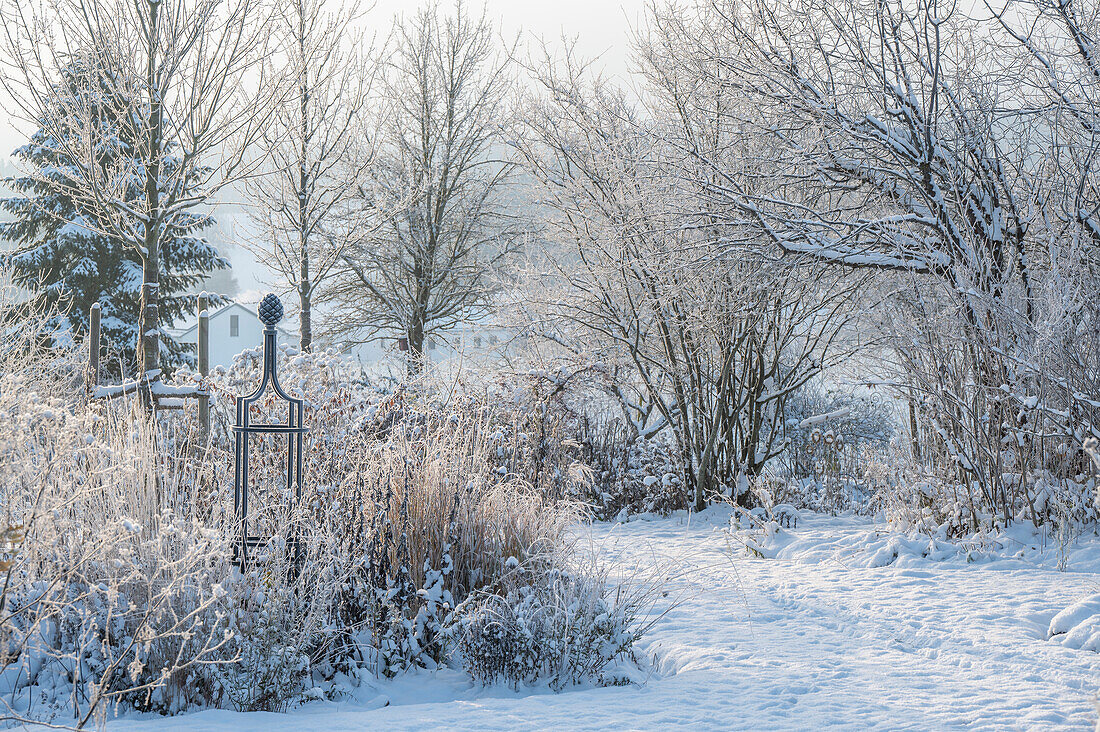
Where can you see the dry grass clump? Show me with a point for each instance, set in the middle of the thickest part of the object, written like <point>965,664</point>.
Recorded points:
<point>406,457</point>
<point>431,472</point>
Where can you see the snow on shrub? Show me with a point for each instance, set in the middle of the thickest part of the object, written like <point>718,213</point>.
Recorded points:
<point>845,459</point>
<point>914,500</point>
<point>557,629</point>
<point>1078,626</point>
<point>408,495</point>
<point>631,477</point>
<point>113,569</point>
<point>759,529</point>
<point>565,443</point>
<point>265,622</point>
<point>122,594</point>
<point>835,440</point>
<point>831,432</point>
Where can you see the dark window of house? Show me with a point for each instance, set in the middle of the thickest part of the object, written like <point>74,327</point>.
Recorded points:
<point>234,326</point>
<point>431,344</point>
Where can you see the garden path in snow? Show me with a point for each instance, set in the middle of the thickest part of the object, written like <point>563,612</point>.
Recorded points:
<point>814,638</point>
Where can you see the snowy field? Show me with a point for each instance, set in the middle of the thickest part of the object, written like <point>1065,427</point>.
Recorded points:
<point>847,627</point>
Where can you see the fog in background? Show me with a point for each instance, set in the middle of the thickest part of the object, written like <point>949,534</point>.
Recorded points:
<point>601,30</point>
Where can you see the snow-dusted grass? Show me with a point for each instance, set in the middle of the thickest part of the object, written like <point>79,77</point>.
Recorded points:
<point>118,592</point>
<point>807,640</point>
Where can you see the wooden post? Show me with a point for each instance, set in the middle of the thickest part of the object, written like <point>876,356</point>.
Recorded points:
<point>93,347</point>
<point>204,360</point>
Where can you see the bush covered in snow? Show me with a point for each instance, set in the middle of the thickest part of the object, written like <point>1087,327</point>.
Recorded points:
<point>932,504</point>
<point>114,562</point>
<point>631,476</point>
<point>1078,626</point>
<point>832,432</point>
<point>415,501</point>
<point>121,592</point>
<point>834,440</point>
<point>848,453</point>
<point>567,445</point>
<point>560,629</point>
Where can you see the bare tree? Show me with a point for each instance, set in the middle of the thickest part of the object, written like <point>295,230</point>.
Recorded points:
<point>187,73</point>
<point>318,150</point>
<point>437,186</point>
<point>715,342</point>
<point>899,140</point>
<point>1058,74</point>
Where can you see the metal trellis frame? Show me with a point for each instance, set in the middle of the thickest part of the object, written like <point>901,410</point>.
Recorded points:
<point>270,312</point>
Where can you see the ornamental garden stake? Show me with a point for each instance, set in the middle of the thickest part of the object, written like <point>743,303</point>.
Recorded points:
<point>250,537</point>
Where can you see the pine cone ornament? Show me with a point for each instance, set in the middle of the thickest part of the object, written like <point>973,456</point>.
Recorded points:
<point>270,310</point>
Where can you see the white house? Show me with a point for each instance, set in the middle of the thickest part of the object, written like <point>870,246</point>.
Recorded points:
<point>233,328</point>
<point>469,344</point>
<point>480,340</point>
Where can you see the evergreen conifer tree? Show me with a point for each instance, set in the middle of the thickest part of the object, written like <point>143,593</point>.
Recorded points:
<point>61,252</point>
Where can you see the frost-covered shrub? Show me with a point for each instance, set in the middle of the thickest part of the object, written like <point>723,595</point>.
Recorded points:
<point>117,532</point>
<point>418,498</point>
<point>757,529</point>
<point>825,496</point>
<point>935,505</point>
<point>560,439</point>
<point>114,558</point>
<point>267,672</point>
<point>560,629</point>
<point>999,408</point>
<point>631,476</point>
<point>597,467</point>
<point>271,622</point>
<point>831,436</point>
<point>836,442</point>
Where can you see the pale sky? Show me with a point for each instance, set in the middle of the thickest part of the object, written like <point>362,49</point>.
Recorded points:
<point>601,28</point>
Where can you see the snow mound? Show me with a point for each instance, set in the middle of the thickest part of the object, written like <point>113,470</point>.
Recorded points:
<point>863,547</point>
<point>1078,626</point>
<point>859,544</point>
<point>872,550</point>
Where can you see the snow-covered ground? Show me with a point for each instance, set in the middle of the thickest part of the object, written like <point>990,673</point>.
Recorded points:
<point>818,636</point>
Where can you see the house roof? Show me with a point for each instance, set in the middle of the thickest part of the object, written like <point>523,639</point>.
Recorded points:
<point>215,314</point>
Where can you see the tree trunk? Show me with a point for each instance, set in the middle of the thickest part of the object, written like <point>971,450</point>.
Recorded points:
<point>203,354</point>
<point>149,325</point>
<point>695,481</point>
<point>415,361</point>
<point>305,301</point>
<point>700,482</point>
<point>93,347</point>
<point>304,285</point>
<point>149,319</point>
<point>914,434</point>
<point>415,334</point>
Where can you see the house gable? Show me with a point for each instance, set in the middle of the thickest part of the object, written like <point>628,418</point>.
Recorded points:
<point>222,318</point>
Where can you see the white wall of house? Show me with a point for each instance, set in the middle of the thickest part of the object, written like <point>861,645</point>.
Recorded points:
<point>233,328</point>
<point>477,344</point>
